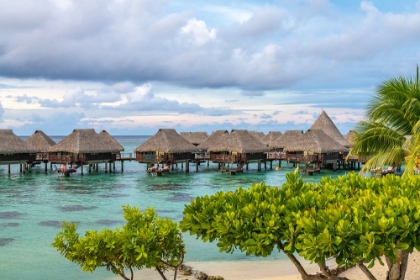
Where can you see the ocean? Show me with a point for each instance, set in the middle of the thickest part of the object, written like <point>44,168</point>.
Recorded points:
<point>33,205</point>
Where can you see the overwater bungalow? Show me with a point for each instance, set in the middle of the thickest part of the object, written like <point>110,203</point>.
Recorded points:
<point>315,148</point>
<point>111,140</point>
<point>13,150</point>
<point>324,123</point>
<point>42,143</point>
<point>82,147</point>
<point>260,136</point>
<point>277,145</point>
<point>196,138</point>
<point>166,147</point>
<point>238,147</point>
<point>271,137</point>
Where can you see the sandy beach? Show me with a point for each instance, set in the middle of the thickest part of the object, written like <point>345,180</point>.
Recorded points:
<point>273,270</point>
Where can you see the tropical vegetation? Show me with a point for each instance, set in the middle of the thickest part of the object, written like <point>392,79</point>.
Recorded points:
<point>145,241</point>
<point>352,219</point>
<point>390,135</point>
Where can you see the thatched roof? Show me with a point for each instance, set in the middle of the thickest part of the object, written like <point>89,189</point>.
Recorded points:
<point>84,141</point>
<point>168,141</point>
<point>40,141</point>
<point>260,136</point>
<point>326,124</point>
<point>289,136</point>
<point>315,141</point>
<point>185,134</point>
<point>240,141</point>
<point>105,135</point>
<point>213,137</point>
<point>10,143</point>
<point>197,138</point>
<point>350,136</point>
<point>271,137</point>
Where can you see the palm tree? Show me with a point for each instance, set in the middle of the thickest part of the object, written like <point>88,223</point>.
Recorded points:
<point>391,132</point>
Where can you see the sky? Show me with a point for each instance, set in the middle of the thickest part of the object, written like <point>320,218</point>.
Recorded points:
<point>134,66</point>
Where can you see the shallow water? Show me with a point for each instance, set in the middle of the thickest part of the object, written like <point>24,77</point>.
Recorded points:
<point>33,205</point>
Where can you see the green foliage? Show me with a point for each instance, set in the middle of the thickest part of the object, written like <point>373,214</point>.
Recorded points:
<point>351,218</point>
<point>392,115</point>
<point>146,240</point>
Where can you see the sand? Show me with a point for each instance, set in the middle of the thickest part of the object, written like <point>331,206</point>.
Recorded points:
<point>273,270</point>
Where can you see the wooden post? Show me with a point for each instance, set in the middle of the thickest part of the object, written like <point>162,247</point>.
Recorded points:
<point>45,167</point>
<point>89,168</point>
<point>208,163</point>
<point>8,169</point>
<point>247,166</point>
<point>271,165</point>
<point>106,167</point>
<point>265,165</point>
<point>122,166</point>
<point>20,167</point>
<point>259,165</point>
<point>97,167</point>
<point>81,169</point>
<point>196,166</point>
<point>182,165</point>
<point>187,167</point>
<point>113,165</point>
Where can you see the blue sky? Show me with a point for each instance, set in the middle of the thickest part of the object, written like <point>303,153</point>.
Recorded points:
<point>134,66</point>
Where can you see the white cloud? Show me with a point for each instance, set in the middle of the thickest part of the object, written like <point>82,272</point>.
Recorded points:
<point>198,32</point>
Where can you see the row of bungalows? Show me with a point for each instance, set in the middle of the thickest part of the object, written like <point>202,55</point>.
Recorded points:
<point>167,147</point>
<point>14,150</point>
<point>81,147</point>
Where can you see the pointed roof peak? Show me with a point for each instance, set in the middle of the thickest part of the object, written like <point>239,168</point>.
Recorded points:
<point>325,123</point>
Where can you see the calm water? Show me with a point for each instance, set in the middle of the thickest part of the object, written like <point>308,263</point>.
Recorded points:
<point>33,205</point>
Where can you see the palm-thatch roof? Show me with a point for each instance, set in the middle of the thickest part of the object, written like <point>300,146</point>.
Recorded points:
<point>283,140</point>
<point>350,137</point>
<point>197,138</point>
<point>260,136</point>
<point>82,141</point>
<point>315,141</point>
<point>271,137</point>
<point>185,134</point>
<point>105,135</point>
<point>324,123</point>
<point>167,141</point>
<point>213,137</point>
<point>40,141</point>
<point>10,143</point>
<point>240,141</point>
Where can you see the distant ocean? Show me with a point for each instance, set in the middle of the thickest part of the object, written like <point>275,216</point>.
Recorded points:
<point>33,205</point>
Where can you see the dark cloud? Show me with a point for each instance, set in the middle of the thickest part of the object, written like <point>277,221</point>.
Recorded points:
<point>132,41</point>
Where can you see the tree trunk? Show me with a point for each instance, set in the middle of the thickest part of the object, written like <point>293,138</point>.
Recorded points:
<point>365,270</point>
<point>398,270</point>
<point>306,276</point>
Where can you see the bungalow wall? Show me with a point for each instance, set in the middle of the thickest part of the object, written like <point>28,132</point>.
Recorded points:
<point>232,157</point>
<point>161,157</point>
<point>64,157</point>
<point>11,158</point>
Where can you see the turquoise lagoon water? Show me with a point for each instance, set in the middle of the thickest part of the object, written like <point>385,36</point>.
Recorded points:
<point>33,205</point>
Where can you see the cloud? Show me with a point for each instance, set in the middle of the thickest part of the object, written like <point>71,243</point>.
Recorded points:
<point>75,97</point>
<point>1,112</point>
<point>198,32</point>
<point>56,123</point>
<point>27,99</point>
<point>265,116</point>
<point>252,93</point>
<point>271,47</point>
